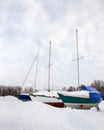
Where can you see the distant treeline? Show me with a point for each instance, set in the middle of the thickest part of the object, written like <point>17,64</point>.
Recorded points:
<point>16,90</point>
<point>13,90</point>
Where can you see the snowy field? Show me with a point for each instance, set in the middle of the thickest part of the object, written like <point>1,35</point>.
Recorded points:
<point>18,115</point>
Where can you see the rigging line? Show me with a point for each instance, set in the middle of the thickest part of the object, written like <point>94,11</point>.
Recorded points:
<point>35,82</point>
<point>71,66</point>
<point>70,71</point>
<point>49,66</point>
<point>29,70</point>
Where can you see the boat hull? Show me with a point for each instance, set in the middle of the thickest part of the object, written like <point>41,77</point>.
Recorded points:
<point>56,104</point>
<point>81,105</point>
<point>78,102</point>
<point>53,101</point>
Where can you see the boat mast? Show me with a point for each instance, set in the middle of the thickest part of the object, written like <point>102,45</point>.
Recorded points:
<point>77,56</point>
<point>49,66</point>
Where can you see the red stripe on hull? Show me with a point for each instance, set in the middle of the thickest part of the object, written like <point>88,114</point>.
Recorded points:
<point>56,104</point>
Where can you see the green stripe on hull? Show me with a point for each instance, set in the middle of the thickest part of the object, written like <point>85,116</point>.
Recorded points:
<point>78,100</point>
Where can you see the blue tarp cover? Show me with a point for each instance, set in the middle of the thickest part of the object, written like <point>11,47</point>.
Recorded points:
<point>24,97</point>
<point>93,93</point>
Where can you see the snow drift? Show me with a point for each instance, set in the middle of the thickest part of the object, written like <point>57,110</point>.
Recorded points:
<point>18,115</point>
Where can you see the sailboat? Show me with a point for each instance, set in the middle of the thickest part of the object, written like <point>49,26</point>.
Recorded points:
<point>86,98</point>
<point>48,97</point>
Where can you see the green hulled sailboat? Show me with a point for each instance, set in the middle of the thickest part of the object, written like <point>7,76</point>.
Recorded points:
<point>87,98</point>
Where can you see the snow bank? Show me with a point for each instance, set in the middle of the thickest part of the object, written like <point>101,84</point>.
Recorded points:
<point>8,98</point>
<point>17,115</point>
<point>82,93</point>
<point>101,106</point>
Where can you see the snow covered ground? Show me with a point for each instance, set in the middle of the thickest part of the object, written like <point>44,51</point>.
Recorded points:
<point>18,115</point>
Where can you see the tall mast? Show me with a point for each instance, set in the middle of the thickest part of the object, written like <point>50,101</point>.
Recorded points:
<point>77,56</point>
<point>49,66</point>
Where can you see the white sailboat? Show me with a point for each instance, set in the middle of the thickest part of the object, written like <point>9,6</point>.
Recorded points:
<point>48,97</point>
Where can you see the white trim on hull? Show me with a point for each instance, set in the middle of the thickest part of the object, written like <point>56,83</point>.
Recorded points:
<point>81,106</point>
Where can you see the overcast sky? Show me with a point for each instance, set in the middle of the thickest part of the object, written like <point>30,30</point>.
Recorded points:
<point>27,25</point>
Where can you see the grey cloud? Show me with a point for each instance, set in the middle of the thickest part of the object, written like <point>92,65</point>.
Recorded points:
<point>23,23</point>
